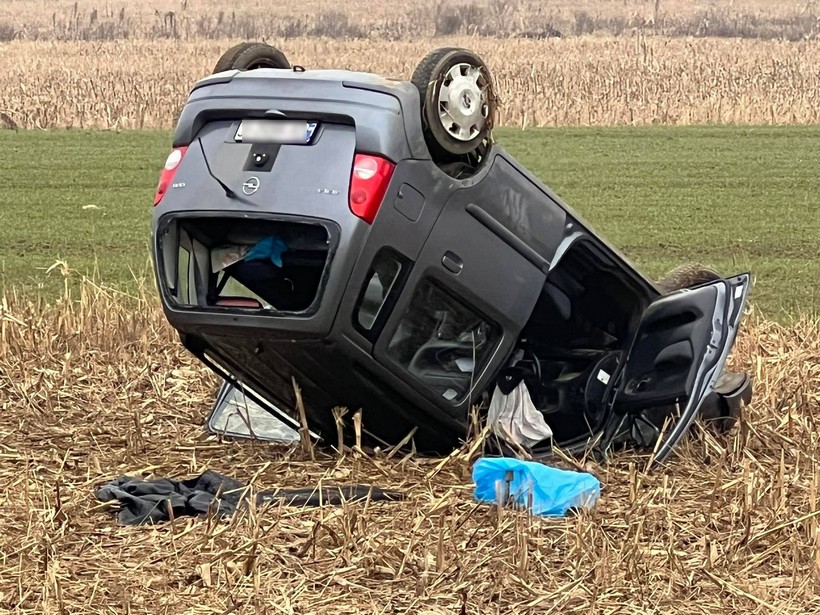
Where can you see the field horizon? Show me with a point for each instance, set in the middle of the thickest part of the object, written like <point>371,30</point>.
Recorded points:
<point>580,81</point>
<point>682,132</point>
<point>209,19</point>
<point>85,64</point>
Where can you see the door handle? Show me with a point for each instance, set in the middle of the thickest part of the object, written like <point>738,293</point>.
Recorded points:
<point>452,262</point>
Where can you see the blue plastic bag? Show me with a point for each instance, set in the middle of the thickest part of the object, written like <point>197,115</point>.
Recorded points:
<point>269,248</point>
<point>554,491</point>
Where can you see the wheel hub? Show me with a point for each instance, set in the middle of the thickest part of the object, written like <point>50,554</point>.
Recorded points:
<point>462,102</point>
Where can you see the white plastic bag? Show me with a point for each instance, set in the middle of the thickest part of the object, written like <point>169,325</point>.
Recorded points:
<point>515,418</point>
<point>225,256</point>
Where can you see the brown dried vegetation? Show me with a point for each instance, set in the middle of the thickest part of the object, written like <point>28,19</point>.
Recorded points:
<point>98,387</point>
<point>83,65</point>
<point>211,19</point>
<point>579,81</point>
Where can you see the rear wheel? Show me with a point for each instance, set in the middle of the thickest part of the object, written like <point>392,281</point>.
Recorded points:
<point>250,56</point>
<point>688,276</point>
<point>458,103</point>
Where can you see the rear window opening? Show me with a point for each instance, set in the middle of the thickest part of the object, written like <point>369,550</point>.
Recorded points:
<point>247,264</point>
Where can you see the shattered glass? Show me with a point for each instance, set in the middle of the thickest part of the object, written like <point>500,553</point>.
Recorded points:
<point>234,414</point>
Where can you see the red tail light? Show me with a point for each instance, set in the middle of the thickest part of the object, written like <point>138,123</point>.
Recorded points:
<point>368,183</point>
<point>168,172</point>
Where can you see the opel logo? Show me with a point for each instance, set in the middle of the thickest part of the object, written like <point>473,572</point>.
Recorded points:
<point>251,185</point>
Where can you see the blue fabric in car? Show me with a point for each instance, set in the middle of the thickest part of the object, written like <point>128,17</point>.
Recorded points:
<point>271,248</point>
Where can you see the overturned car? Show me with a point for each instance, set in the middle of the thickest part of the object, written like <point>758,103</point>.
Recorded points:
<point>366,238</point>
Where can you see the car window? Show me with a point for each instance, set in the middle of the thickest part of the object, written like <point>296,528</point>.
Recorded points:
<point>442,341</point>
<point>380,280</point>
<point>380,291</point>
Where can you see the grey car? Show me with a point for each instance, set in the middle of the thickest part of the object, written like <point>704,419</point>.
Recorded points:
<point>367,239</point>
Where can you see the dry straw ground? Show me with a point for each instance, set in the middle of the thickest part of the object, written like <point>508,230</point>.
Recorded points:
<point>100,387</point>
<point>577,81</point>
<point>569,62</point>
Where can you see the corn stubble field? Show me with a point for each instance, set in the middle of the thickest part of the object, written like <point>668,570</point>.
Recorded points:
<point>97,386</point>
<point>89,65</point>
<point>584,81</point>
<point>100,387</point>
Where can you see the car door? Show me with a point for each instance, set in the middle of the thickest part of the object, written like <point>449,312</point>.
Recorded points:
<point>469,294</point>
<point>681,346</point>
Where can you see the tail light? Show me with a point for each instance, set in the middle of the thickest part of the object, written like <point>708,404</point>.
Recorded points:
<point>368,183</point>
<point>168,172</point>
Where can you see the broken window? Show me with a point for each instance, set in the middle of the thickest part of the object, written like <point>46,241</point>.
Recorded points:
<point>250,264</point>
<point>234,414</point>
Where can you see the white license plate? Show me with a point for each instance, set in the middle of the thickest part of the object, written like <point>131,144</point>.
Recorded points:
<point>274,131</point>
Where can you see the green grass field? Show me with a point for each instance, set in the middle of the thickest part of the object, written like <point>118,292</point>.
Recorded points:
<point>739,199</point>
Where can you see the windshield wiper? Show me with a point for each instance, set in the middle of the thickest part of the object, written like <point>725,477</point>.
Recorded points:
<point>228,192</point>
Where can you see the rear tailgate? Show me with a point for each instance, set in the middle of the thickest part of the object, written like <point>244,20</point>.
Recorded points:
<point>309,179</point>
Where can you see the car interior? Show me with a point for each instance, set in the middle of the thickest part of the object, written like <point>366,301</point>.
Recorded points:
<point>250,264</point>
<point>579,331</point>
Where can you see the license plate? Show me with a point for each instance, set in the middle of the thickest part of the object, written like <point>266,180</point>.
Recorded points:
<point>274,131</point>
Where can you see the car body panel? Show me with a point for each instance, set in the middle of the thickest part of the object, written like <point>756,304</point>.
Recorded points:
<point>719,306</point>
<point>415,315</point>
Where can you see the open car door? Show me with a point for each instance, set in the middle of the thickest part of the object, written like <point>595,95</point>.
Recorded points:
<point>681,347</point>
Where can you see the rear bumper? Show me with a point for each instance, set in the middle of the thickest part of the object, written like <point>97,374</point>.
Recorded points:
<point>268,350</point>
<point>331,372</point>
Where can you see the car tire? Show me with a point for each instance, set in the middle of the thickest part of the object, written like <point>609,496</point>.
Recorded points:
<point>250,56</point>
<point>457,120</point>
<point>687,276</point>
